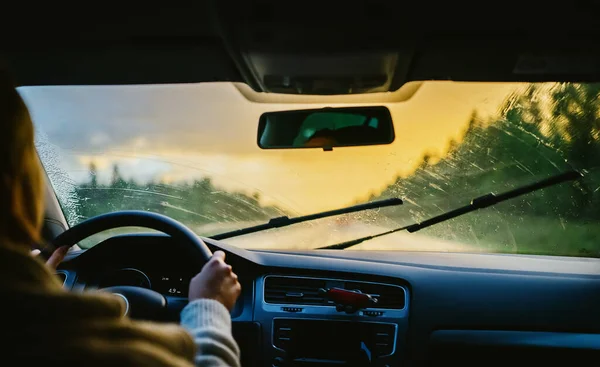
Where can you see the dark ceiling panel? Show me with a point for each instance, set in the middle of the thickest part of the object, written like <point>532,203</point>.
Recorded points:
<point>130,65</point>
<point>56,43</point>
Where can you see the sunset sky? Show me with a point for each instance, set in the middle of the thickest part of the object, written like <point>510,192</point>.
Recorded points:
<point>181,132</point>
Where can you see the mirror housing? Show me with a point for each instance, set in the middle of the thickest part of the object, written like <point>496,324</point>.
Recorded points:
<point>326,128</point>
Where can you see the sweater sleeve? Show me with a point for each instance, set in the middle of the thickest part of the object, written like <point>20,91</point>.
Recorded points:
<point>209,323</point>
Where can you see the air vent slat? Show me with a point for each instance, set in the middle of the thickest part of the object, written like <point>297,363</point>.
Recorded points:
<point>305,291</point>
<point>301,291</point>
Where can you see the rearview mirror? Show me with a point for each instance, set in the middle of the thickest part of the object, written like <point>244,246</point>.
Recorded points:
<point>326,128</point>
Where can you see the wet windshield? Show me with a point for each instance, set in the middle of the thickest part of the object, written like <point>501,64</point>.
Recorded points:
<point>190,152</point>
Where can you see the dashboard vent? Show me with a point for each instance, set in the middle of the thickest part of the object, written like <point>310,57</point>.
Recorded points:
<point>388,296</point>
<point>305,291</point>
<point>298,291</point>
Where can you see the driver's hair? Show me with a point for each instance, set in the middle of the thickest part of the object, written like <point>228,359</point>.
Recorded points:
<point>21,180</point>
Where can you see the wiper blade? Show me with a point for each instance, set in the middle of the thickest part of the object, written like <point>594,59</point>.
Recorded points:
<point>476,204</point>
<point>287,221</point>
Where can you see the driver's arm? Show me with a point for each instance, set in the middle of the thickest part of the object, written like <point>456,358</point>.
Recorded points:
<point>212,294</point>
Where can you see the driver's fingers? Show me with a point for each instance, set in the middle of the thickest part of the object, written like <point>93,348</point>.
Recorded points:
<point>57,257</point>
<point>219,255</point>
<point>237,287</point>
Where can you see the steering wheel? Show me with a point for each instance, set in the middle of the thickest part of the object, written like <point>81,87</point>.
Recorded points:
<point>141,303</point>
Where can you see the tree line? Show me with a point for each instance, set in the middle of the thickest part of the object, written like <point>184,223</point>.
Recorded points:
<point>541,131</point>
<point>194,203</point>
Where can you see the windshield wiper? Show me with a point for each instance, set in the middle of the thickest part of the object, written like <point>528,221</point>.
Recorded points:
<point>476,204</point>
<point>287,221</point>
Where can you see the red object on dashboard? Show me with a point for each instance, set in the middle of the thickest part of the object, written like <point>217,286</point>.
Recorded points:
<point>349,298</point>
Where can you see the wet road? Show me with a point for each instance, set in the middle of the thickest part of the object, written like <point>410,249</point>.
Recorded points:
<point>310,236</point>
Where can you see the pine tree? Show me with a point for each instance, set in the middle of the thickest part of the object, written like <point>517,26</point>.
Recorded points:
<point>93,175</point>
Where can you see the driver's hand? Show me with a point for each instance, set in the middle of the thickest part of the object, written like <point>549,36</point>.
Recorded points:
<point>56,258</point>
<point>216,281</point>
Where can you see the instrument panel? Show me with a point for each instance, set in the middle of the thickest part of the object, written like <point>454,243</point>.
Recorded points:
<point>166,283</point>
<point>171,284</point>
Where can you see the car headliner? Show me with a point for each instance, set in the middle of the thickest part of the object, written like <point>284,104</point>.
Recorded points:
<point>210,40</point>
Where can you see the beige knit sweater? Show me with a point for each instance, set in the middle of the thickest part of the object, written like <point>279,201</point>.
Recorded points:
<point>44,325</point>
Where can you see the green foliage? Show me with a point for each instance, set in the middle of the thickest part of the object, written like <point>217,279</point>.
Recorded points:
<point>540,132</point>
<point>196,204</point>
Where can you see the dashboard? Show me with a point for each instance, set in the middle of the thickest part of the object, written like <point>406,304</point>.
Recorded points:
<point>432,308</point>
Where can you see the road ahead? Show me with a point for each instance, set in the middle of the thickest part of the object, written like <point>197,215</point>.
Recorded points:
<point>309,236</point>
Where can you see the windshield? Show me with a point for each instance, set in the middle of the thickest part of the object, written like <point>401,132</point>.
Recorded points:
<point>190,152</point>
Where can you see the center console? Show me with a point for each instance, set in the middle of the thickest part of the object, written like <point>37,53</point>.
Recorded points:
<point>300,328</point>
<point>324,343</point>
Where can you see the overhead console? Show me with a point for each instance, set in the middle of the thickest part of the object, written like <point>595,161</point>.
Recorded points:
<point>318,321</point>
